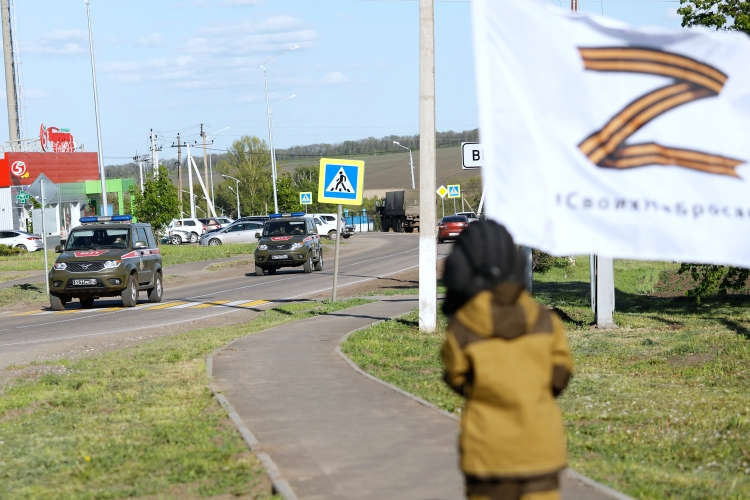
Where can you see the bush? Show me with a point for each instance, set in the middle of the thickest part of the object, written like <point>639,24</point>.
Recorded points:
<point>9,250</point>
<point>713,279</point>
<point>542,262</point>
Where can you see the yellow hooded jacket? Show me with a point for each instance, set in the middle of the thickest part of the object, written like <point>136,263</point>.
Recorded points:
<point>510,358</point>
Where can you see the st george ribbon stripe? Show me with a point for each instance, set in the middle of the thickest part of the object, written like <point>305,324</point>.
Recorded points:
<point>693,81</point>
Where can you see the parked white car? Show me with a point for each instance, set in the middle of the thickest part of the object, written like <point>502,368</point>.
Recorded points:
<point>329,226</point>
<point>193,227</point>
<point>21,239</point>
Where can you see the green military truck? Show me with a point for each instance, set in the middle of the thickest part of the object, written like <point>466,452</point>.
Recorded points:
<point>106,257</point>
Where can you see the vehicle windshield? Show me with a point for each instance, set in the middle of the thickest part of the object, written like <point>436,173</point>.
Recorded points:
<point>455,218</point>
<point>96,239</point>
<point>284,228</point>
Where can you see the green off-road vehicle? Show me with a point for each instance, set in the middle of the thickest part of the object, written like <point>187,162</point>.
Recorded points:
<point>288,242</point>
<point>106,257</point>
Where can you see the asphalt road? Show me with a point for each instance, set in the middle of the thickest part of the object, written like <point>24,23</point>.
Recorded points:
<point>40,334</point>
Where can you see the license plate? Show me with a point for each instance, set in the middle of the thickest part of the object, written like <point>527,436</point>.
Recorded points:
<point>452,234</point>
<point>84,282</point>
<point>279,257</point>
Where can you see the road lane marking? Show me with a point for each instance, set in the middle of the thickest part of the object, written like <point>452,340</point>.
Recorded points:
<point>253,303</point>
<point>210,304</point>
<point>168,304</point>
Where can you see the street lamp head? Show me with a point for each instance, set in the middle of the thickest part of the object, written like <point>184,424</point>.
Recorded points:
<point>396,143</point>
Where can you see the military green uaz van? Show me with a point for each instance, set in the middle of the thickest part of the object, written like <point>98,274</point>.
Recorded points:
<point>106,257</point>
<point>291,241</point>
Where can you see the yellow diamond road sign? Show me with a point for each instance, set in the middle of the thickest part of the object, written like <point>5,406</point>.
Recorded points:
<point>442,191</point>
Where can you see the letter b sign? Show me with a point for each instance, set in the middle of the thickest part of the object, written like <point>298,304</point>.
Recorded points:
<point>472,155</point>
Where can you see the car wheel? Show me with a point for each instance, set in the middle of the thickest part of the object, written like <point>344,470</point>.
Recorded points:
<point>194,237</point>
<point>130,294</point>
<point>319,264</point>
<point>176,240</point>
<point>347,236</point>
<point>87,302</point>
<point>56,303</point>
<point>272,270</point>
<point>154,295</point>
<point>308,265</point>
<point>22,247</point>
<point>214,242</point>
<point>332,235</point>
<point>259,271</point>
<point>409,229</point>
<point>440,241</point>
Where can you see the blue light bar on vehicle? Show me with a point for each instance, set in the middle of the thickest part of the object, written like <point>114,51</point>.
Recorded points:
<point>274,216</point>
<point>298,214</point>
<point>107,218</point>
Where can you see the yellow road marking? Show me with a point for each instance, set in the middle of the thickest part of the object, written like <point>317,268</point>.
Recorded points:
<point>253,303</point>
<point>164,306</point>
<point>27,313</point>
<point>210,304</point>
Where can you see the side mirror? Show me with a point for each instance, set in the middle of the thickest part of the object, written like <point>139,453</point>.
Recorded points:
<point>257,235</point>
<point>58,249</point>
<point>377,203</point>
<point>140,244</point>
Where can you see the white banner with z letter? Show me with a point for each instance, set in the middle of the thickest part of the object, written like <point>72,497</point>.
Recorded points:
<point>603,138</point>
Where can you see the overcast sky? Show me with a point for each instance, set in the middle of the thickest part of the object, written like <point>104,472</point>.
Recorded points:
<point>171,65</point>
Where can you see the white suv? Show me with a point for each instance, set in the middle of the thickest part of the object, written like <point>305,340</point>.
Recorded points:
<point>329,220</point>
<point>193,227</point>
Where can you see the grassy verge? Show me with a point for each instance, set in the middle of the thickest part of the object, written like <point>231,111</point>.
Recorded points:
<point>231,264</point>
<point>657,408</point>
<point>171,254</point>
<point>137,422</point>
<point>27,292</point>
<point>10,277</point>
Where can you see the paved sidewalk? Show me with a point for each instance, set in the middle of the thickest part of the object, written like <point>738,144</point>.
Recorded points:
<point>334,433</point>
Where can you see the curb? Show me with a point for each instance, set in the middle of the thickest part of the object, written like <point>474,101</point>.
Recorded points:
<point>280,485</point>
<point>616,495</point>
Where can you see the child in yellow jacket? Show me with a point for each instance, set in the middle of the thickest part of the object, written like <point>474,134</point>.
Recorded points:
<point>510,358</point>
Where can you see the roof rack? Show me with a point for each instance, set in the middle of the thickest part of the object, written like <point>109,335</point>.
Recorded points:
<point>107,218</point>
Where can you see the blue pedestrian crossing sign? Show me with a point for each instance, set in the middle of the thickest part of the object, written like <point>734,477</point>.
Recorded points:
<point>341,181</point>
<point>305,198</point>
<point>454,191</point>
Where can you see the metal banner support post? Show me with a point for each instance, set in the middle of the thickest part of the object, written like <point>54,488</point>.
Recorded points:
<point>603,291</point>
<point>44,238</point>
<point>336,262</point>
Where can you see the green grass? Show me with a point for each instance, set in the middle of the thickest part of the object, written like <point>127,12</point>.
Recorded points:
<point>171,254</point>
<point>27,292</point>
<point>658,408</point>
<point>11,277</point>
<point>134,422</point>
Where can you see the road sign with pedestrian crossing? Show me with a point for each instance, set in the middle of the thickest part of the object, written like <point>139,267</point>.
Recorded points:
<point>454,191</point>
<point>305,198</point>
<point>341,181</point>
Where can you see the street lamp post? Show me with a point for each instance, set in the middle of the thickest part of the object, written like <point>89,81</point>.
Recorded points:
<point>237,192</point>
<point>270,133</point>
<point>411,162</point>
<point>193,202</point>
<point>96,110</point>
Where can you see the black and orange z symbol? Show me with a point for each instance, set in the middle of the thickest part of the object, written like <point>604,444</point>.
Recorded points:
<point>693,80</point>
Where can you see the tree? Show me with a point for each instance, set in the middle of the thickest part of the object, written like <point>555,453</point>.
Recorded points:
<point>158,203</point>
<point>722,15</point>
<point>249,160</point>
<point>719,14</point>
<point>287,195</point>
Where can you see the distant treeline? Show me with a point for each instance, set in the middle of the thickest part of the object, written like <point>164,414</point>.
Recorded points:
<point>371,145</point>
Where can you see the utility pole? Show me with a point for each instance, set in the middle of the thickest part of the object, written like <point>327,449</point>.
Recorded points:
<point>154,154</point>
<point>11,92</point>
<point>100,156</point>
<point>140,159</point>
<point>179,167</point>
<point>427,177</point>
<point>574,5</point>
<point>205,157</point>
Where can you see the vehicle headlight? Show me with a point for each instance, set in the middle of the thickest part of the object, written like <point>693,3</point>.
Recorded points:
<point>60,266</point>
<point>262,247</point>
<point>109,264</point>
<point>296,245</point>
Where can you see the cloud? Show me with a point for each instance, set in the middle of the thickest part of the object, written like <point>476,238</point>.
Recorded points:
<point>271,34</point>
<point>152,40</point>
<point>242,3</point>
<point>58,42</point>
<point>158,69</point>
<point>335,78</point>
